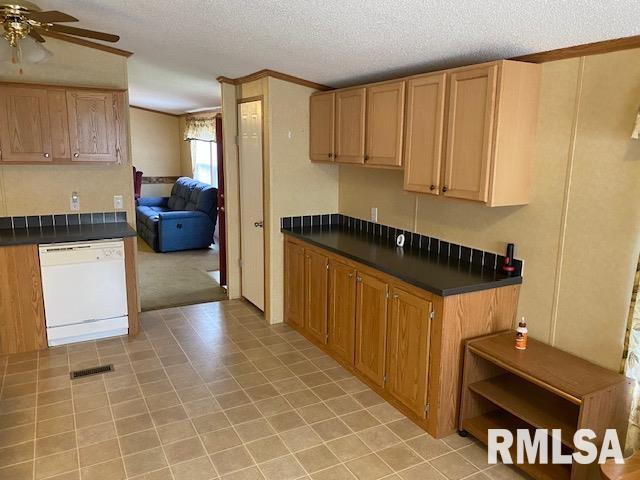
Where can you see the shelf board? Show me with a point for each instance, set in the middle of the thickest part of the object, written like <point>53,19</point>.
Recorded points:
<point>479,426</point>
<point>536,406</point>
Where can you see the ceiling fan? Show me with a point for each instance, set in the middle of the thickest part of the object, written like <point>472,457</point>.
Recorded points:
<point>24,24</point>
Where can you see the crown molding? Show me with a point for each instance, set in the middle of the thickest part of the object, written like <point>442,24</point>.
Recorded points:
<point>275,74</point>
<point>596,48</point>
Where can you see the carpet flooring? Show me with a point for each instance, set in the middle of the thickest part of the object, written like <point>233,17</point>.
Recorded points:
<point>177,278</point>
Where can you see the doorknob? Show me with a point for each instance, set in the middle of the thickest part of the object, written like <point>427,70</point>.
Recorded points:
<point>258,224</point>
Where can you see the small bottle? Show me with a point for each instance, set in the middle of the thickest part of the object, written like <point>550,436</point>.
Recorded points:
<point>522,335</point>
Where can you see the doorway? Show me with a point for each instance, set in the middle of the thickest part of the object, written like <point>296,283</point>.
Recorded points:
<point>251,201</point>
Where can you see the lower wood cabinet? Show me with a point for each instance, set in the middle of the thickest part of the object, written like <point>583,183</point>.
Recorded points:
<point>409,332</point>
<point>22,326</point>
<point>316,289</point>
<point>403,342</point>
<point>294,293</point>
<point>342,310</point>
<point>371,327</point>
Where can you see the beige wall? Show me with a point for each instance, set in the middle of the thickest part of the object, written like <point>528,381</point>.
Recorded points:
<point>185,150</point>
<point>580,235</point>
<point>155,148</point>
<point>297,186</point>
<point>41,189</point>
<point>287,173</point>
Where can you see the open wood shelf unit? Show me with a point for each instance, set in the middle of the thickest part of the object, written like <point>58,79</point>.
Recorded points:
<point>541,387</point>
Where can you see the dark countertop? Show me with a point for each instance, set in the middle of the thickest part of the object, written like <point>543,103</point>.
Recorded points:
<point>443,276</point>
<point>62,234</point>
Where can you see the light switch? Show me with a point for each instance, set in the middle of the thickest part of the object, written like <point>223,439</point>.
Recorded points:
<point>374,214</point>
<point>74,204</point>
<point>118,202</point>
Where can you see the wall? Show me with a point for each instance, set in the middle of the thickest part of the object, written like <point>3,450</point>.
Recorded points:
<point>38,189</point>
<point>580,235</point>
<point>291,175</point>
<point>287,175</point>
<point>156,148</point>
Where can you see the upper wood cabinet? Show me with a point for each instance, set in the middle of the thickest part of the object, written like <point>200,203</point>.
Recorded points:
<point>350,108</point>
<point>468,132</point>
<point>294,263</point>
<point>93,132</point>
<point>408,348</point>
<point>322,125</point>
<point>50,124</point>
<point>424,133</point>
<point>24,125</point>
<point>315,296</point>
<point>385,121</point>
<point>472,98</point>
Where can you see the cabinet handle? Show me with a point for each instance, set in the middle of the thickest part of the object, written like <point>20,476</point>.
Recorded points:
<point>366,158</point>
<point>432,187</point>
<point>445,189</point>
<point>330,155</point>
<point>46,155</point>
<point>351,275</point>
<point>396,296</point>
<point>359,279</point>
<point>76,155</point>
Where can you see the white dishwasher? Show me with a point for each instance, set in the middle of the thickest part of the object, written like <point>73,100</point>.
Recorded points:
<point>85,294</point>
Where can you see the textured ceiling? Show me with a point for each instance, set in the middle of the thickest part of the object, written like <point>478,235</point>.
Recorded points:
<point>181,46</point>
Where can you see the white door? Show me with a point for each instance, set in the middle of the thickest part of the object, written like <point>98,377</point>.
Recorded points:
<point>251,208</point>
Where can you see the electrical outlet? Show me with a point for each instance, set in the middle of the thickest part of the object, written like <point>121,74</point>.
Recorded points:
<point>74,203</point>
<point>118,202</point>
<point>374,214</point>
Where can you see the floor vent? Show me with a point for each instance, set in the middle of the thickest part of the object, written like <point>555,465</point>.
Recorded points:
<point>91,371</point>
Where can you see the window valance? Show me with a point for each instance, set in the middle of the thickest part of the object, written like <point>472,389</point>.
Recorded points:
<point>200,128</point>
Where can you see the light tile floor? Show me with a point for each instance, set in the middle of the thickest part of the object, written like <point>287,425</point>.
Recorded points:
<point>209,391</point>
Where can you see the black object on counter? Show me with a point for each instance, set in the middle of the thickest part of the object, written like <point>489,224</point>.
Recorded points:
<point>507,266</point>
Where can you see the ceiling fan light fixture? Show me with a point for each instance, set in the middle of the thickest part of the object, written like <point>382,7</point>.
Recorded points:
<point>33,52</point>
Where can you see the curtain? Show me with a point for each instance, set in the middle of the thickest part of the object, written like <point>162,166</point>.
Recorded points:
<point>632,364</point>
<point>200,128</point>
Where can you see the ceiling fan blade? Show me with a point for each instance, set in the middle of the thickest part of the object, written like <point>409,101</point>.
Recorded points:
<point>52,16</point>
<point>36,35</point>
<point>82,32</point>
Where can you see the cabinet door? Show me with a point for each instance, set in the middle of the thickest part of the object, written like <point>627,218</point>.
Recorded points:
<point>24,125</point>
<point>294,284</point>
<point>385,122</point>
<point>371,327</point>
<point>59,123</point>
<point>316,292</point>
<point>408,349</point>
<point>342,310</point>
<point>472,95</point>
<point>93,132</point>
<point>350,135</point>
<point>322,127</point>
<point>22,327</point>
<point>424,133</point>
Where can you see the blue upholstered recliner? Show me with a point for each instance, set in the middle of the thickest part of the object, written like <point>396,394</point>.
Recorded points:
<point>184,221</point>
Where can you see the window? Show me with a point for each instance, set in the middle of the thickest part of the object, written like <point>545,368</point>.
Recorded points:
<point>204,157</point>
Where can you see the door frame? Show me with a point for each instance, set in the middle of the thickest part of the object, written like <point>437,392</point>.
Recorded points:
<point>266,224</point>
